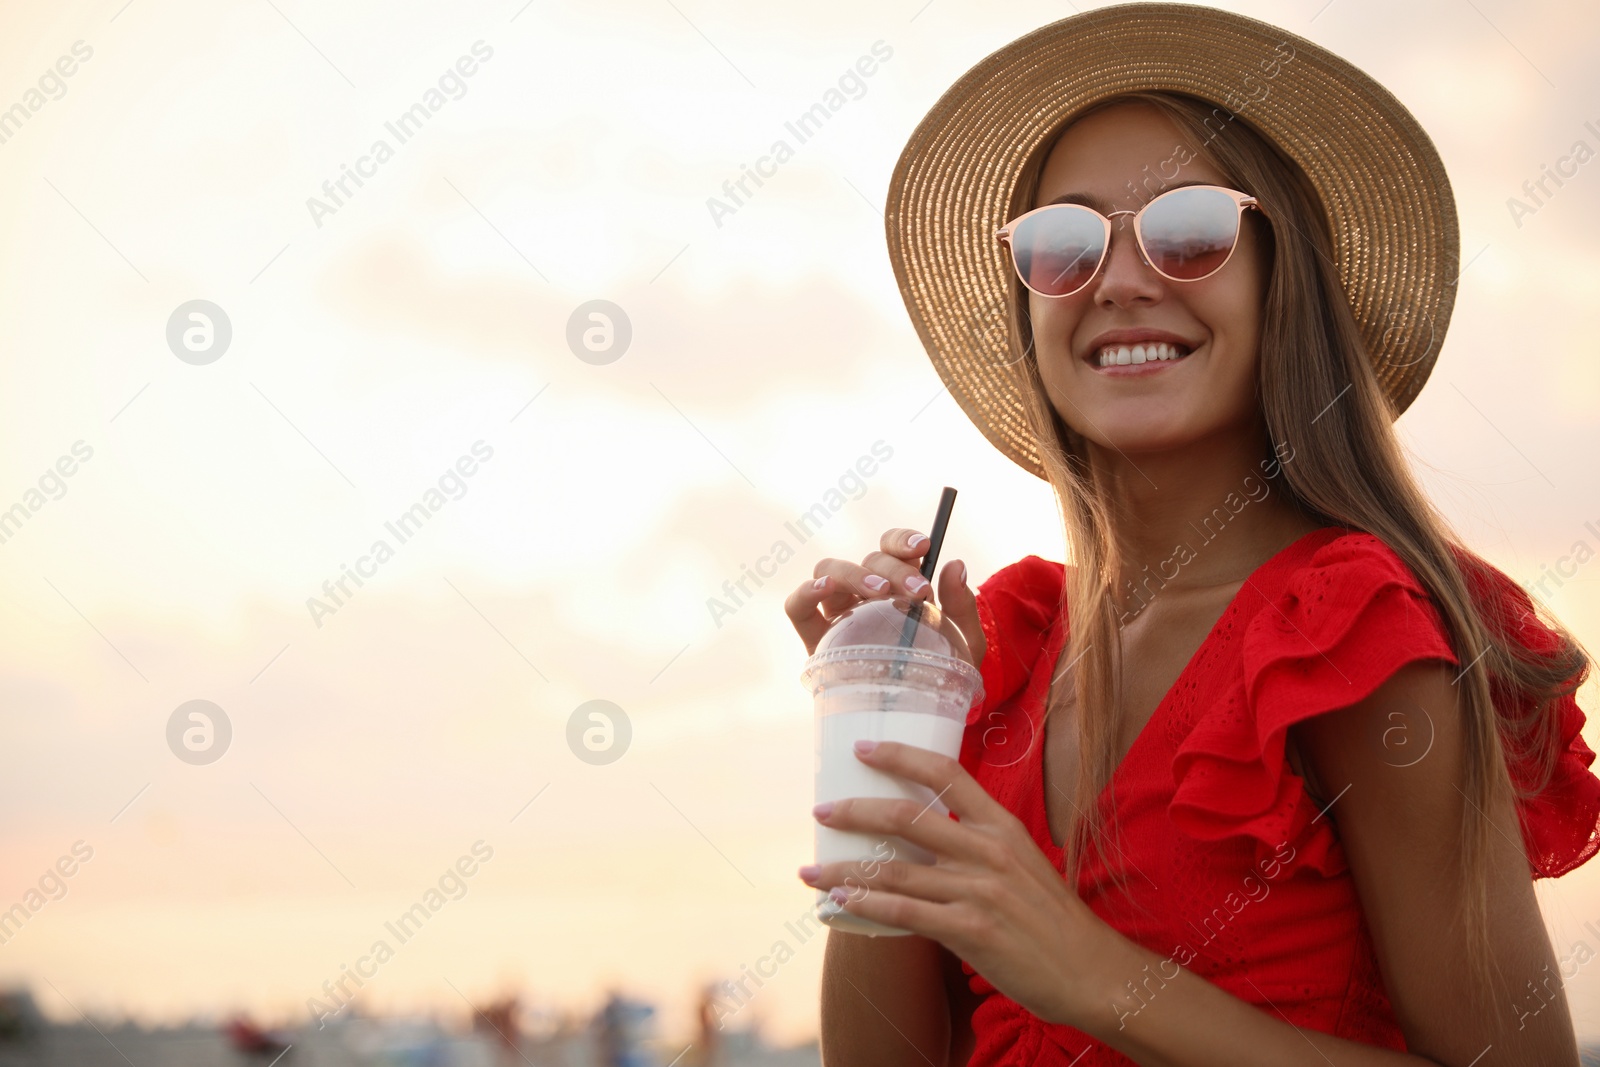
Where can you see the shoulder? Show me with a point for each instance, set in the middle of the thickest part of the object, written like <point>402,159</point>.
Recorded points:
<point>1400,733</point>
<point>1031,581</point>
<point>1022,600</point>
<point>1343,618</point>
<point>1347,617</point>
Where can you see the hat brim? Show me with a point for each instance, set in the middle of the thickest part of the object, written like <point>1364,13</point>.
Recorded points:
<point>1390,209</point>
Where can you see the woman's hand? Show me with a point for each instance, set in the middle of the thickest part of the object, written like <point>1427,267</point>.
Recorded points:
<point>991,897</point>
<point>838,585</point>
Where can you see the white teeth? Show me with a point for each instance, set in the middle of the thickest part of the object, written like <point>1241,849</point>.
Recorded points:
<point>1129,355</point>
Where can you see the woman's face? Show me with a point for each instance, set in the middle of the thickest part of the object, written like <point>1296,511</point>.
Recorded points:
<point>1165,405</point>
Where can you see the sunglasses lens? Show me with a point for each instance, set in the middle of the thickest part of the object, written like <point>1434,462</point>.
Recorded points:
<point>1188,233</point>
<point>1057,251</point>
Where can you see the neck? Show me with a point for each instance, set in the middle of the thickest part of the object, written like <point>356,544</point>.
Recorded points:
<point>1198,517</point>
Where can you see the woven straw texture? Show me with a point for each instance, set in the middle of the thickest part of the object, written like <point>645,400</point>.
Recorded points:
<point>1390,208</point>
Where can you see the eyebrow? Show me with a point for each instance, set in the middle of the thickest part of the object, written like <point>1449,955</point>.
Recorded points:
<point>1099,205</point>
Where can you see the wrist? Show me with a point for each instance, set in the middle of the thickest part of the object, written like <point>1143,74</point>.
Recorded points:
<point>1096,981</point>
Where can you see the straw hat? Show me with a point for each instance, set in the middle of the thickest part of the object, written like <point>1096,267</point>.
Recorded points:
<point>1389,204</point>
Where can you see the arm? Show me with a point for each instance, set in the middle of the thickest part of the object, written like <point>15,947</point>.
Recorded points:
<point>1399,826</point>
<point>995,900</point>
<point>962,1001</point>
<point>883,1002</point>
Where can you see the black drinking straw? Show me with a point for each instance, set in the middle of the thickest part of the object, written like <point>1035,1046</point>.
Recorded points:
<point>908,632</point>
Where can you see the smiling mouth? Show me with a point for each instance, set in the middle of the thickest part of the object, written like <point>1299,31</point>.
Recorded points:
<point>1126,355</point>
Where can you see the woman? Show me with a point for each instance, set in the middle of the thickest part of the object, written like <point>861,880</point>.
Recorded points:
<point>1265,776</point>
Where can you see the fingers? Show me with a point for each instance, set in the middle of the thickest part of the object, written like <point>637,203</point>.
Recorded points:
<point>838,585</point>
<point>942,774</point>
<point>803,609</point>
<point>919,823</point>
<point>906,544</point>
<point>926,882</point>
<point>960,605</point>
<point>899,551</point>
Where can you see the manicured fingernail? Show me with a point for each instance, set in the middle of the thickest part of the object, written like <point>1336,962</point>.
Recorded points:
<point>875,583</point>
<point>809,872</point>
<point>839,894</point>
<point>823,810</point>
<point>819,583</point>
<point>865,746</point>
<point>916,583</point>
<point>918,540</point>
<point>961,572</point>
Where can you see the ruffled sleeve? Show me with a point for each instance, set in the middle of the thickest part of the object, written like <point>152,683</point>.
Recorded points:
<point>1344,623</point>
<point>1016,607</point>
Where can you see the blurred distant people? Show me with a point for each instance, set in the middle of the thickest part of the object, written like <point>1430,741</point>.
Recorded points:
<point>708,1040</point>
<point>20,1021</point>
<point>622,1027</point>
<point>499,1021</point>
<point>252,1040</point>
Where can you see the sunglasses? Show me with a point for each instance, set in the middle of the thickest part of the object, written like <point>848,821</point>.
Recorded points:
<point>1184,235</point>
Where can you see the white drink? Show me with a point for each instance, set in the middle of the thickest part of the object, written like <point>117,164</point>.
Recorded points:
<point>886,670</point>
<point>840,773</point>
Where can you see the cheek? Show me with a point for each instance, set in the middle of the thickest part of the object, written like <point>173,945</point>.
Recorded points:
<point>1053,324</point>
<point>1054,321</point>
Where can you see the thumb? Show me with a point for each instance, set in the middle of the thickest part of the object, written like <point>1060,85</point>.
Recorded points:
<point>960,604</point>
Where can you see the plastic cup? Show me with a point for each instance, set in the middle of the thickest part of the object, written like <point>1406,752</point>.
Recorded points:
<point>866,684</point>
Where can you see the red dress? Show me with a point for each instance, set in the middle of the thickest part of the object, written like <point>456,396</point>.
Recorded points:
<point>1231,870</point>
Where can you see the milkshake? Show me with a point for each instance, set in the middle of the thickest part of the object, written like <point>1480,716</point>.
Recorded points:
<point>887,670</point>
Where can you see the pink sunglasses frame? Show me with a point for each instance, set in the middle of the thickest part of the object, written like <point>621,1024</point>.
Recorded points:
<point>1241,200</point>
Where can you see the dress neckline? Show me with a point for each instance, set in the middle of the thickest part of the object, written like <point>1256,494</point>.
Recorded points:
<point>1057,637</point>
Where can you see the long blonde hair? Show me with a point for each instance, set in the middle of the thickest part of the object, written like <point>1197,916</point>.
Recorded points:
<point>1348,470</point>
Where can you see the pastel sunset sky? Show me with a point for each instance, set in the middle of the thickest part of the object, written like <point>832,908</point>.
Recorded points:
<point>412,343</point>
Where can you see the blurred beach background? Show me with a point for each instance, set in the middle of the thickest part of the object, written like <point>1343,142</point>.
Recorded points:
<point>580,384</point>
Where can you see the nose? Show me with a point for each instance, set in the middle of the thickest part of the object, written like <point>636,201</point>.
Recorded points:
<point>1126,280</point>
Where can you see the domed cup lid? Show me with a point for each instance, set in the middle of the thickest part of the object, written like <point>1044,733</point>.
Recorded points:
<point>888,625</point>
